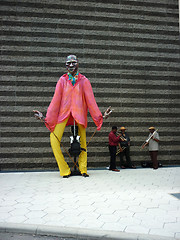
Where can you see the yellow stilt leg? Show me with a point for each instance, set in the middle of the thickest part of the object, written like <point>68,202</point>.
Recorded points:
<point>83,155</point>
<point>62,164</point>
<point>58,131</point>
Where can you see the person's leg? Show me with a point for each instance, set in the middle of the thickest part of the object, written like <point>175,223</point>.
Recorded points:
<point>122,163</point>
<point>112,150</point>
<point>128,158</point>
<point>83,155</point>
<point>151,155</point>
<point>111,160</point>
<point>154,159</point>
<point>58,131</point>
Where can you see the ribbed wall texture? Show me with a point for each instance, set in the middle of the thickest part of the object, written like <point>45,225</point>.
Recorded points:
<point>129,50</point>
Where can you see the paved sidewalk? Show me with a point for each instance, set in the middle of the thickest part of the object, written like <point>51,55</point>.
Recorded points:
<point>130,204</point>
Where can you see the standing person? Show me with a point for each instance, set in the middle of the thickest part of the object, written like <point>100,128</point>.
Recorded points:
<point>153,146</point>
<point>113,142</point>
<point>72,98</point>
<point>125,150</point>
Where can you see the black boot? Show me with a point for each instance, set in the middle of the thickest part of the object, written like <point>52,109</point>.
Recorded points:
<point>85,175</point>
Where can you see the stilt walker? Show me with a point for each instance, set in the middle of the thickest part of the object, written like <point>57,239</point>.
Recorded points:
<point>72,99</point>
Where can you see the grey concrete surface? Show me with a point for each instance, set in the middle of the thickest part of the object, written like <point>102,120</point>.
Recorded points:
<point>25,236</point>
<point>130,204</point>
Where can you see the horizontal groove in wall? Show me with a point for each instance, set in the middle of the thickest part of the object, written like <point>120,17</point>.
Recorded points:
<point>16,120</point>
<point>81,17</point>
<point>16,57</point>
<point>30,145</point>
<point>113,4</point>
<point>47,56</point>
<point>27,132</point>
<point>42,134</point>
<point>104,85</point>
<point>140,85</point>
<point>143,76</point>
<point>136,105</point>
<point>120,29</point>
<point>95,42</point>
<point>97,154</point>
<point>18,113</point>
<point>97,94</point>
<point>81,45</point>
<point>122,69</point>
<point>97,17</point>
<point>131,65</point>
<point>111,8</point>
<point>41,35</point>
<point>51,165</point>
<point>116,81</point>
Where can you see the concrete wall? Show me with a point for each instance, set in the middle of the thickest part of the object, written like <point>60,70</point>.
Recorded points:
<point>129,50</point>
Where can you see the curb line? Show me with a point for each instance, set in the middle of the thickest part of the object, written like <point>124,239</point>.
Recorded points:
<point>75,232</point>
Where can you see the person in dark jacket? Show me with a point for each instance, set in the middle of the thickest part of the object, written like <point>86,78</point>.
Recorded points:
<point>125,150</point>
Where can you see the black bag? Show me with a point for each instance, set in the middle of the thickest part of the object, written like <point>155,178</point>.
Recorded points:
<point>75,148</point>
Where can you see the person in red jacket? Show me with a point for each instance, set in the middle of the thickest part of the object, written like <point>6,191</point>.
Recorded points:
<point>113,143</point>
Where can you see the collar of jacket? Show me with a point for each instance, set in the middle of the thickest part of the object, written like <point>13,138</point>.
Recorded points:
<point>67,78</point>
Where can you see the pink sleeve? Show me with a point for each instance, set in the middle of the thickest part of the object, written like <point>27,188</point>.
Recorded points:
<point>92,105</point>
<point>53,109</point>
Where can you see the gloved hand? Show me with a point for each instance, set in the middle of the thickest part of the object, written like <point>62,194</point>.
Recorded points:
<point>38,115</point>
<point>107,112</point>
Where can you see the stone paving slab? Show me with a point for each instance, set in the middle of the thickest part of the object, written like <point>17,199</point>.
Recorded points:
<point>132,201</point>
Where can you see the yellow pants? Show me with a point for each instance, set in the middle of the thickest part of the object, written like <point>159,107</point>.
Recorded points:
<point>62,164</point>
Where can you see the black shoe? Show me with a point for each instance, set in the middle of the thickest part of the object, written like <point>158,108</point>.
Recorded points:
<point>133,167</point>
<point>85,175</point>
<point>123,167</point>
<point>67,176</point>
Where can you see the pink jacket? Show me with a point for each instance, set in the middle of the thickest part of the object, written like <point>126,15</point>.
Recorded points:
<point>74,102</point>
